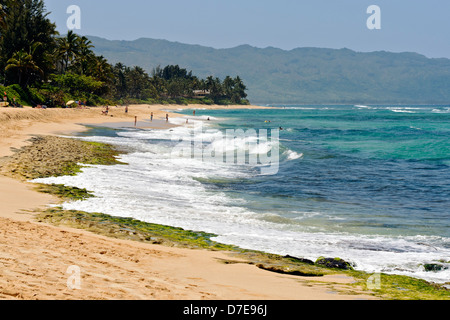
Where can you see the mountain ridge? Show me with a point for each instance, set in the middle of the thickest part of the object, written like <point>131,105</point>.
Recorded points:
<point>300,75</point>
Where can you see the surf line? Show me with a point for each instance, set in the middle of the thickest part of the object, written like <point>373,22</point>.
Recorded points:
<point>235,146</point>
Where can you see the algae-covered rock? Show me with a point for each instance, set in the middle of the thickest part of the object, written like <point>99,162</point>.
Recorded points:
<point>301,260</point>
<point>434,267</point>
<point>290,271</point>
<point>336,263</point>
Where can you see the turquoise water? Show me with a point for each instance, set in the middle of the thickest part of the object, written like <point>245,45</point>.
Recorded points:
<point>367,169</point>
<point>369,184</point>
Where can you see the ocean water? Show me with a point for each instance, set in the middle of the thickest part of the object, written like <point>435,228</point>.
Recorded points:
<point>369,184</point>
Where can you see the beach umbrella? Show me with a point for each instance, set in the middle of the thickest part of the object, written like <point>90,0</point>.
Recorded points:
<point>70,102</point>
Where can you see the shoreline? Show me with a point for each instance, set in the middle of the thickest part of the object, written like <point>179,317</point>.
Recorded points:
<point>282,286</point>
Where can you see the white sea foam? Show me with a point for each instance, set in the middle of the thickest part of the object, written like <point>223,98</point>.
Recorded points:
<point>373,254</point>
<point>292,155</point>
<point>158,187</point>
<point>401,110</point>
<point>446,110</point>
<point>407,109</point>
<point>301,108</point>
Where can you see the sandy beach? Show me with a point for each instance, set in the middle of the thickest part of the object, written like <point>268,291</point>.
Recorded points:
<point>35,258</point>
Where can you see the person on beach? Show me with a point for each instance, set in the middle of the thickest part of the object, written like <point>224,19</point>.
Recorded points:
<point>167,117</point>
<point>126,109</point>
<point>151,116</point>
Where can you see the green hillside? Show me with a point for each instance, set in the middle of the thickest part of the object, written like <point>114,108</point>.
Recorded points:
<point>303,75</point>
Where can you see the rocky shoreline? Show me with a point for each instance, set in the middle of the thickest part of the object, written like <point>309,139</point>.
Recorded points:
<point>49,156</point>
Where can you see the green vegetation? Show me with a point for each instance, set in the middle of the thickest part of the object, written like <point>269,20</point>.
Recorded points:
<point>93,153</point>
<point>397,287</point>
<point>39,67</point>
<point>303,75</point>
<point>173,84</point>
<point>55,156</point>
<point>131,229</point>
<point>64,192</point>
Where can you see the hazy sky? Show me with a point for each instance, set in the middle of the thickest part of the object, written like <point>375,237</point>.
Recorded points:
<point>421,26</point>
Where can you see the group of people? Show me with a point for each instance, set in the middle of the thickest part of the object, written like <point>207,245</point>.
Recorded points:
<point>81,104</point>
<point>106,111</point>
<point>8,103</point>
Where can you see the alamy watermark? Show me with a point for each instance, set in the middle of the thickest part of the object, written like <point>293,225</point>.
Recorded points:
<point>374,282</point>
<point>251,147</point>
<point>74,279</point>
<point>74,20</point>
<point>374,21</point>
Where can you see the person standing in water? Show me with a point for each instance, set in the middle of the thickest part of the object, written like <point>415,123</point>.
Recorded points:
<point>167,117</point>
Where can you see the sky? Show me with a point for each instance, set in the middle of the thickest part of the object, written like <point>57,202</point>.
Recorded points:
<point>421,26</point>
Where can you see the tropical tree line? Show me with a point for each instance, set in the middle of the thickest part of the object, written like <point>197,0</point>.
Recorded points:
<point>174,83</point>
<point>39,66</point>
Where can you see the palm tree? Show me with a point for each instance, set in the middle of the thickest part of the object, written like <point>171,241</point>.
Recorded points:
<point>84,54</point>
<point>101,69</point>
<point>138,81</point>
<point>24,64</point>
<point>24,24</point>
<point>214,85</point>
<point>42,58</point>
<point>68,48</point>
<point>238,90</point>
<point>228,86</point>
